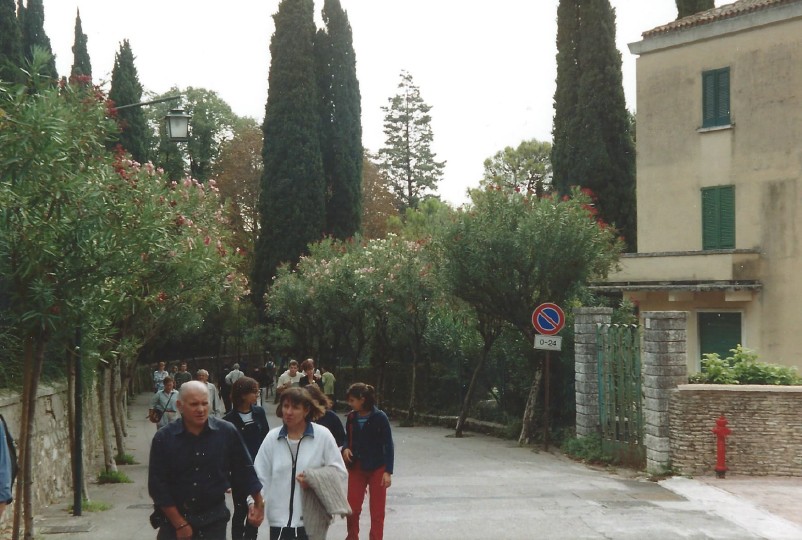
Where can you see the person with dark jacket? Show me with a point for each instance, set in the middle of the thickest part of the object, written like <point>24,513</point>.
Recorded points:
<point>251,421</point>
<point>193,461</point>
<point>369,455</point>
<point>329,419</point>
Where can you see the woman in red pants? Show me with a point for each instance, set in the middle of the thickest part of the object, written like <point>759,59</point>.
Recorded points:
<point>368,454</point>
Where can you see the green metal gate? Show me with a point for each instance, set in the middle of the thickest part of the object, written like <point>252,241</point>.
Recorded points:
<point>620,397</point>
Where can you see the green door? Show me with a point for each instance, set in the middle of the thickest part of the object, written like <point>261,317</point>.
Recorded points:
<point>719,332</point>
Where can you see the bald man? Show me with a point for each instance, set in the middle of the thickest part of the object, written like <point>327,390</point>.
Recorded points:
<point>191,462</point>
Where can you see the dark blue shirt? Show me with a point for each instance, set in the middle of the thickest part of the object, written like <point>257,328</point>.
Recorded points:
<point>193,472</point>
<point>334,424</point>
<point>372,444</point>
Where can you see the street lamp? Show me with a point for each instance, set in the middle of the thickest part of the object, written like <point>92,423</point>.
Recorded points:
<point>178,125</point>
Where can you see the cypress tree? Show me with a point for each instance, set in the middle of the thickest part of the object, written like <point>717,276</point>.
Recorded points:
<point>566,127</point>
<point>10,41</point>
<point>81,65</point>
<point>689,7</point>
<point>595,149</point>
<point>32,24</point>
<point>291,203</point>
<point>341,127</point>
<point>126,90</point>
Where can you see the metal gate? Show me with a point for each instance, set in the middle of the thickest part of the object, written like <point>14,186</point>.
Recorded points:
<point>620,398</point>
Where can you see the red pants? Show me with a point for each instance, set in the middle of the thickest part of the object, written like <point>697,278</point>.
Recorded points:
<point>359,480</point>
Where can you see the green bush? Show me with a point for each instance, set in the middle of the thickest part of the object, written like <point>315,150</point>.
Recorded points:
<point>93,506</point>
<point>743,368</point>
<point>586,449</point>
<point>124,459</point>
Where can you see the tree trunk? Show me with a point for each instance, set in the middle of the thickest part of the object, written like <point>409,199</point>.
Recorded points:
<point>105,418</point>
<point>469,394</point>
<point>114,407</point>
<point>34,359</point>
<point>411,410</point>
<point>529,411</point>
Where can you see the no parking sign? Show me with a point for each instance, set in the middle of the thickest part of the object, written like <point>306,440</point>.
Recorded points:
<point>548,319</point>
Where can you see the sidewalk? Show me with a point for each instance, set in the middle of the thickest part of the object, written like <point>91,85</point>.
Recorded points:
<point>450,488</point>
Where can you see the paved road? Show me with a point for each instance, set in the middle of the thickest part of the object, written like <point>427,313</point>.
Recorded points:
<point>481,487</point>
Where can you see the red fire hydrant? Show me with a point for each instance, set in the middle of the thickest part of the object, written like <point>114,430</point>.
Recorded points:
<point>722,431</point>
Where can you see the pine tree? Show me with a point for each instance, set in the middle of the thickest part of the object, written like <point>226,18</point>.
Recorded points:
<point>689,7</point>
<point>126,90</point>
<point>32,24</point>
<point>593,146</point>
<point>10,41</point>
<point>341,127</point>
<point>291,205</point>
<point>408,159</point>
<point>81,65</point>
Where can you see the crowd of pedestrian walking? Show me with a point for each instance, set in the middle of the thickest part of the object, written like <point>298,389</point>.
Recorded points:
<point>296,476</point>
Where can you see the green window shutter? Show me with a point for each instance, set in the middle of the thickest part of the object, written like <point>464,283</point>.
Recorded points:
<point>709,218</point>
<point>726,203</point>
<point>716,97</point>
<point>723,96</point>
<point>708,98</point>
<point>718,217</point>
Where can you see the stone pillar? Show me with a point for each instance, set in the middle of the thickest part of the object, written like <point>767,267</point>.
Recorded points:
<point>587,373</point>
<point>664,367</point>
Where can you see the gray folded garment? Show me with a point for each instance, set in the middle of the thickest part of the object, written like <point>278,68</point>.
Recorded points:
<point>325,498</point>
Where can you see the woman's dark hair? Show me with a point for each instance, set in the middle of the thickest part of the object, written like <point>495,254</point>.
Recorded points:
<point>318,395</point>
<point>241,388</point>
<point>168,379</point>
<point>361,390</point>
<point>300,396</point>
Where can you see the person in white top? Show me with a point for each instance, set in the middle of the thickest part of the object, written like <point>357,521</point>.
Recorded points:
<point>286,453</point>
<point>288,379</point>
<point>215,405</point>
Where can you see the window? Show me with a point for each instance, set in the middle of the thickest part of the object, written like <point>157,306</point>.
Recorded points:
<point>716,97</point>
<point>718,217</point>
<point>719,332</point>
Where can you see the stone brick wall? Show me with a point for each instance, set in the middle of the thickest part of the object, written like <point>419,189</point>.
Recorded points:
<point>586,384</point>
<point>766,424</point>
<point>51,442</point>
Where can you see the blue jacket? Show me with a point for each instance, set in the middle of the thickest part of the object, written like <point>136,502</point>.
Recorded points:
<point>373,444</point>
<point>5,468</point>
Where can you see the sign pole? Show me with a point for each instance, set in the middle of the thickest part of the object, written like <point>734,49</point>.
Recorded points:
<point>546,402</point>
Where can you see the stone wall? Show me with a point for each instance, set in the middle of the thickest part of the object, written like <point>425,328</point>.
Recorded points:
<point>766,424</point>
<point>52,475</point>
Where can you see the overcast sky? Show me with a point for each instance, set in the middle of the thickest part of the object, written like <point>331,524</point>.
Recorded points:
<point>486,67</point>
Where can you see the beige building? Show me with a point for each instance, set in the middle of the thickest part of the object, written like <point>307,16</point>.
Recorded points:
<point>719,178</point>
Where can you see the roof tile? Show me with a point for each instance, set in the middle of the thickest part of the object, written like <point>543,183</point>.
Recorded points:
<point>728,11</point>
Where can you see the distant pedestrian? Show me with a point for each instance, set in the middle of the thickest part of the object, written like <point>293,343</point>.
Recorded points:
<point>163,405</point>
<point>215,403</point>
<point>158,378</point>
<point>327,380</point>
<point>329,419</point>
<point>192,464</point>
<point>369,455</point>
<point>182,376</point>
<point>233,375</point>
<point>289,379</point>
<point>251,421</point>
<point>310,374</point>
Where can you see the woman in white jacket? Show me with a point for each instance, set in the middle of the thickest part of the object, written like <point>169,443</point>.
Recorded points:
<point>286,453</point>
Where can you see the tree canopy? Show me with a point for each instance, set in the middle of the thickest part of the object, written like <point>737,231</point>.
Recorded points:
<point>689,7</point>
<point>407,157</point>
<point>81,64</point>
<point>525,169</point>
<point>134,135</point>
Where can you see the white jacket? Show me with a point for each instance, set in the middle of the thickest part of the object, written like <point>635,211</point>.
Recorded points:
<point>273,465</point>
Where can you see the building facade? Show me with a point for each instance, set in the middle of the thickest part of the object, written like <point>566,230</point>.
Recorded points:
<point>719,179</point>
